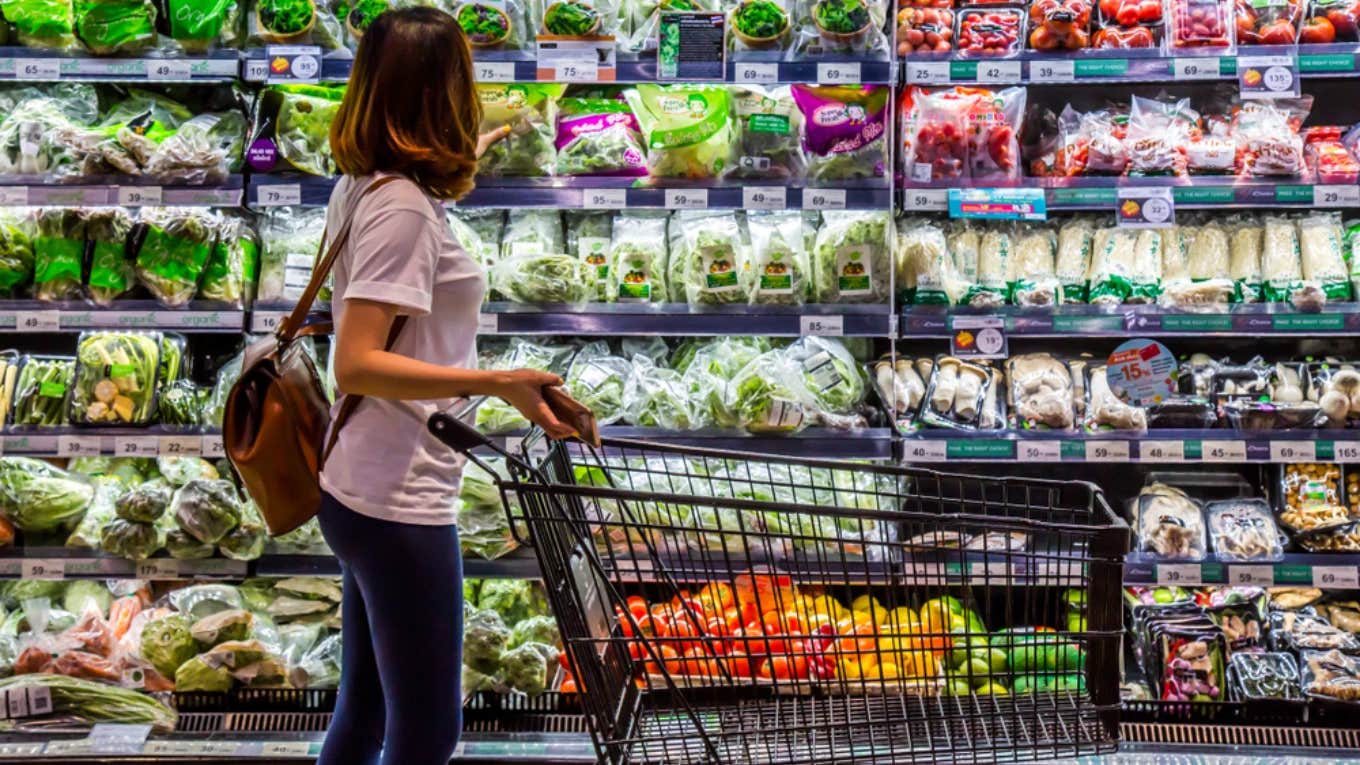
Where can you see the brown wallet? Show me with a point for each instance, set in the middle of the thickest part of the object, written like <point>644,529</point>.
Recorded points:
<point>573,413</point>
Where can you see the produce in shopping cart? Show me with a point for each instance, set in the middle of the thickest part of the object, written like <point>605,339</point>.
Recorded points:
<point>1170,524</point>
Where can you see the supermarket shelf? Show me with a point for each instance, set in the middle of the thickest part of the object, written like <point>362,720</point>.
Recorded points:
<point>1155,447</point>
<point>123,442</point>
<point>1132,66</point>
<point>19,191</point>
<point>42,562</point>
<point>600,193</point>
<point>1324,570</point>
<point>823,443</point>
<point>1077,321</point>
<point>198,316</point>
<point>519,564</point>
<point>36,65</point>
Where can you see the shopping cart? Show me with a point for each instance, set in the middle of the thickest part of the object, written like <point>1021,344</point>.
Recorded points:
<point>720,607</point>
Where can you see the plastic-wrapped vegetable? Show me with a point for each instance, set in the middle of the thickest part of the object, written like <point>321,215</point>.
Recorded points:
<point>492,25</point>
<point>530,111</point>
<point>181,470</point>
<point>851,263</point>
<point>1244,265</point>
<point>181,404</point>
<point>533,232</point>
<point>543,278</point>
<point>597,380</point>
<point>709,371</point>
<point>656,397</point>
<point>1205,280</point>
<point>42,23</point>
<point>1320,250</point>
<point>1034,268</point>
<point>86,534</point>
<point>231,268</point>
<point>1073,258</point>
<point>1110,276</point>
<point>145,503</point>
<point>85,701</point>
<point>198,26</point>
<point>844,131</point>
<point>925,270</point>
<point>716,269</point>
<point>246,541</point>
<point>207,509</point>
<point>58,253</point>
<point>167,643</point>
<point>17,231</point>
<point>483,529</point>
<point>130,539</point>
<point>289,237</point>
<point>111,273</point>
<point>484,638</point>
<point>589,238</point>
<point>769,126</point>
<point>41,390</point>
<point>688,129</point>
<point>37,497</point>
<point>1145,278</point>
<point>292,128</point>
<point>598,136</point>
<point>116,378</point>
<point>639,257</point>
<point>841,28</point>
<point>779,258</point>
<point>830,373</point>
<point>768,395</point>
<point>183,546</point>
<point>1281,265</point>
<point>174,251</point>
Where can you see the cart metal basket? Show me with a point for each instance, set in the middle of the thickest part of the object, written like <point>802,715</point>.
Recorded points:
<point>728,608</point>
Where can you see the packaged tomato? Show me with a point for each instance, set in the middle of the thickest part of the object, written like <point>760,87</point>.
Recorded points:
<point>1268,140</point>
<point>1331,21</point>
<point>1331,159</point>
<point>1128,24</point>
<point>1267,22</point>
<point>1158,135</point>
<point>1059,24</point>
<point>1199,24</point>
<point>924,30</point>
<point>934,133</point>
<point>990,31</point>
<point>1092,143</point>
<point>993,134</point>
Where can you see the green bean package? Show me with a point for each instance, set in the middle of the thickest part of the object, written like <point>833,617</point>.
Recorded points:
<point>17,231</point>
<point>530,111</point>
<point>115,381</point>
<point>41,390</point>
<point>229,274</point>
<point>111,273</point>
<point>58,254</point>
<point>174,248</point>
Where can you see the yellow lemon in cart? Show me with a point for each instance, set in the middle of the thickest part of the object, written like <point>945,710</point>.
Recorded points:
<point>902,618</point>
<point>868,605</point>
<point>889,671</point>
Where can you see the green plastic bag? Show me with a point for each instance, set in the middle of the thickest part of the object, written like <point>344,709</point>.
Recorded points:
<point>688,129</point>
<point>111,273</point>
<point>58,253</point>
<point>197,24</point>
<point>42,23</point>
<point>174,252</point>
<point>108,27</point>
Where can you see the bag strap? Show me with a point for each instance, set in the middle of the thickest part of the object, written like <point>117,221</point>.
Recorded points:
<point>289,327</point>
<point>351,403</point>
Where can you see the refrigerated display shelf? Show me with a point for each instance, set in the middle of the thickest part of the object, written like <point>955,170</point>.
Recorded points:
<point>519,564</point>
<point>1338,571</point>
<point>199,316</point>
<point>812,443</point>
<point>41,65</point>
<point>1189,192</point>
<point>1093,321</point>
<point>1153,447</point>
<point>21,191</point>
<point>149,441</point>
<point>601,193</point>
<point>57,563</point>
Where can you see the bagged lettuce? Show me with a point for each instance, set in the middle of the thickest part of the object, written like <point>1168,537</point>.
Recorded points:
<point>688,129</point>
<point>639,257</point>
<point>545,278</point>
<point>597,380</point>
<point>113,27</point>
<point>714,260</point>
<point>589,236</point>
<point>532,232</point>
<point>768,395</point>
<point>830,373</point>
<point>289,239</point>
<point>845,130</point>
<point>851,263</point>
<point>111,273</point>
<point>530,112</point>
<point>230,272</point>
<point>42,23</point>
<point>598,136</point>
<point>58,253</point>
<point>17,231</point>
<point>656,397</point>
<point>779,258</point>
<point>175,246</point>
<point>768,126</point>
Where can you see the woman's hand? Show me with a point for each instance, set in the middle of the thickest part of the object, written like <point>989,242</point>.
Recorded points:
<point>523,389</point>
<point>487,140</point>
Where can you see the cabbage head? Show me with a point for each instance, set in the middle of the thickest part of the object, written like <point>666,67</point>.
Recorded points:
<point>167,643</point>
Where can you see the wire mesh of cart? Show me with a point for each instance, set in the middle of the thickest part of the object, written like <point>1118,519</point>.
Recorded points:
<point>730,608</point>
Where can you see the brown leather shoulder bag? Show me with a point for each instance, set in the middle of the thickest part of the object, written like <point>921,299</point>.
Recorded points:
<point>276,419</point>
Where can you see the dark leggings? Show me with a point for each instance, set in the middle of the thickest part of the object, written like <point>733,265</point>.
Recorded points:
<point>400,699</point>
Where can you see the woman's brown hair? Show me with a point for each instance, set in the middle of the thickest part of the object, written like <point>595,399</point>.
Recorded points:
<point>411,106</point>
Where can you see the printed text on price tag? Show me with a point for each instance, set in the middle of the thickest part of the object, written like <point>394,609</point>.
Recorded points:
<point>158,568</point>
<point>37,321</point>
<point>1292,451</point>
<point>77,446</point>
<point>1223,451</point>
<point>1336,196</point>
<point>495,71</point>
<point>998,72</point>
<point>764,197</point>
<point>604,199</point>
<point>136,446</point>
<point>1195,68</point>
<point>821,326</point>
<point>926,200</point>
<point>1180,574</point>
<point>1052,71</point>
<point>578,71</point>
<point>136,196</point>
<point>1336,577</point>
<point>41,568</point>
<point>213,447</point>
<point>686,199</point>
<point>925,451</point>
<point>755,73</point>
<point>278,195</point>
<point>1251,576</point>
<point>37,69</point>
<point>1346,451</point>
<point>1107,451</point>
<point>1161,451</point>
<point>180,446</point>
<point>842,73</point>
<point>1038,451</point>
<point>823,199</point>
<point>927,72</point>
<point>169,69</point>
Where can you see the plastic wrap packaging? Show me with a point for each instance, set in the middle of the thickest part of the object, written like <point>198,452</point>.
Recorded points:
<point>546,278</point>
<point>1145,278</point>
<point>493,25</point>
<point>851,28</point>
<point>934,133</point>
<point>18,228</point>
<point>924,30</point>
<point>1034,269</point>
<point>530,111</point>
<point>1268,22</point>
<point>229,275</point>
<point>1199,25</point>
<point>1336,389</point>
<point>768,395</point>
<point>1244,264</point>
<point>994,253</point>
<point>485,228</point>
<point>1264,676</point>
<point>1305,630</point>
<point>851,260</point>
<point>1321,240</point>
<point>1310,499</point>
<point>1269,144</point>
<point>1170,524</point>
<point>42,385</point>
<point>597,136</point>
<point>1329,156</point>
<point>589,235</point>
<point>844,131</point>
<point>716,270</point>
<point>575,18</point>
<point>656,397</point>
<point>46,24</point>
<point>925,270</point>
<point>964,241</point>
<point>289,238</point>
<point>957,395</point>
<point>1059,24</point>
<point>830,374</point>
<point>1243,530</point>
<point>115,379</point>
<point>900,387</point>
<point>993,128</point>
<point>111,274</point>
<point>58,253</point>
<point>532,232</point>
<point>1091,143</point>
<point>1205,281</point>
<point>990,31</point>
<point>769,134</point>
<point>597,380</point>
<point>1282,264</point>
<point>175,246</point>
<point>292,129</point>
<point>1043,396</point>
<point>1127,24</point>
<point>779,261</point>
<point>639,258</point>
<point>1112,263</point>
<point>1157,134</point>
<point>688,129</point>
<point>1073,258</point>
<point>1105,410</point>
<point>1331,675</point>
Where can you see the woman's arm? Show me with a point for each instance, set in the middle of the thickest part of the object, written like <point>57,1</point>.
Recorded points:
<point>363,368</point>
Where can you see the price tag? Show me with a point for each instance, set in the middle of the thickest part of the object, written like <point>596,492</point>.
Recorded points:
<point>286,749</point>
<point>213,447</point>
<point>488,324</point>
<point>257,70</point>
<point>1161,451</point>
<point>1195,68</point>
<point>920,569</point>
<point>1267,76</point>
<point>136,446</point>
<point>136,196</point>
<point>1336,196</point>
<point>992,570</point>
<point>1292,451</point>
<point>1224,451</point>
<point>577,71</point>
<point>764,197</point>
<point>265,321</point>
<point>823,199</point>
<point>1179,574</point>
<point>77,446</point>
<point>37,321</point>
<point>847,73</point>
<point>1107,451</point>
<point>1038,451</point>
<point>1251,576</point>
<point>978,337</point>
<point>293,63</point>
<point>1345,451</point>
<point>37,69</point>
<point>928,72</point>
<point>11,196</point>
<point>1336,577</point>
<point>169,69</point>
<point>925,451</point>
<point>605,199</point>
<point>495,71</point>
<point>821,326</point>
<point>926,200</point>
<point>158,568</point>
<point>1052,71</point>
<point>755,73</point>
<point>1145,207</point>
<point>279,194</point>
<point>998,71</point>
<point>180,446</point>
<point>686,199</point>
<point>40,568</point>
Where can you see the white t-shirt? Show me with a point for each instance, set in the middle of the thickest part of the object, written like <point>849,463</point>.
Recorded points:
<point>386,464</point>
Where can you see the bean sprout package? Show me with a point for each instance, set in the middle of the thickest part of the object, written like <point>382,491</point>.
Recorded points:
<point>844,131</point>
<point>1200,279</point>
<point>688,129</point>
<point>927,274</point>
<point>530,112</point>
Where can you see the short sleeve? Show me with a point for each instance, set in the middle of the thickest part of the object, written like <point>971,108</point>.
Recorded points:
<point>393,257</point>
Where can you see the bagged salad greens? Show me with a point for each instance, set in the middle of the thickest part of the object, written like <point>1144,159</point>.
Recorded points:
<point>575,18</point>
<point>292,128</point>
<point>841,28</point>
<point>145,503</point>
<point>487,226</point>
<point>639,257</point>
<point>708,367</point>
<point>779,259</point>
<point>598,136</point>
<point>40,391</point>
<point>769,129</point>
<point>230,271</point>
<point>850,259</point>
<point>550,277</point>
<point>42,23</point>
<point>58,253</point>
<point>206,509</point>
<point>131,539</point>
<point>111,273</point>
<point>830,373</point>
<point>492,25</point>
<point>115,381</point>
<point>17,231</point>
<point>688,129</point>
<point>289,239</point>
<point>714,260</point>
<point>597,380</point>
<point>657,397</point>
<point>588,239</point>
<point>203,150</point>
<point>36,496</point>
<point>295,22</point>
<point>86,534</point>
<point>768,395</point>
<point>845,131</point>
<point>112,27</point>
<point>497,416</point>
<point>483,528</point>
<point>530,111</point>
<point>532,232</point>
<point>175,245</point>
<point>31,118</point>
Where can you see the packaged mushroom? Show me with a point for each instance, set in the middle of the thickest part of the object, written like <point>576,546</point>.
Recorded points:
<point>1042,392</point>
<point>925,269</point>
<point>1204,281</point>
<point>901,389</point>
<point>1074,258</point>
<point>1311,498</point>
<point>1261,397</point>
<point>958,394</point>
<point>1336,389</point>
<point>1304,630</point>
<point>1323,261</point>
<point>1264,676</point>
<point>1170,524</point>
<point>1034,279</point>
<point>1105,410</point>
<point>1243,530</point>
<point>1240,612</point>
<point>1244,258</point>
<point>1109,277</point>
<point>1331,675</point>
<point>1282,266</point>
<point>964,240</point>
<point>1344,538</point>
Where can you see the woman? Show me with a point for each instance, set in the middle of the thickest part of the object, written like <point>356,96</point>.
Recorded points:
<point>410,111</point>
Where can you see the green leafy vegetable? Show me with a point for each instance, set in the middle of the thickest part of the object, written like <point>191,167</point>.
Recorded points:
<point>851,263</point>
<point>167,643</point>
<point>286,17</point>
<point>146,503</point>
<point>130,539</point>
<point>571,19</point>
<point>207,509</point>
<point>111,273</point>
<point>16,251</point>
<point>598,381</point>
<point>37,496</point>
<point>485,24</point>
<point>687,127</point>
<point>841,16</point>
<point>58,253</point>
<point>761,19</point>
<point>90,702</point>
<point>768,395</point>
<point>116,378</point>
<point>175,251</point>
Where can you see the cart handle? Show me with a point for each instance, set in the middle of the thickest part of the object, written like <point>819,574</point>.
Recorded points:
<point>449,427</point>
